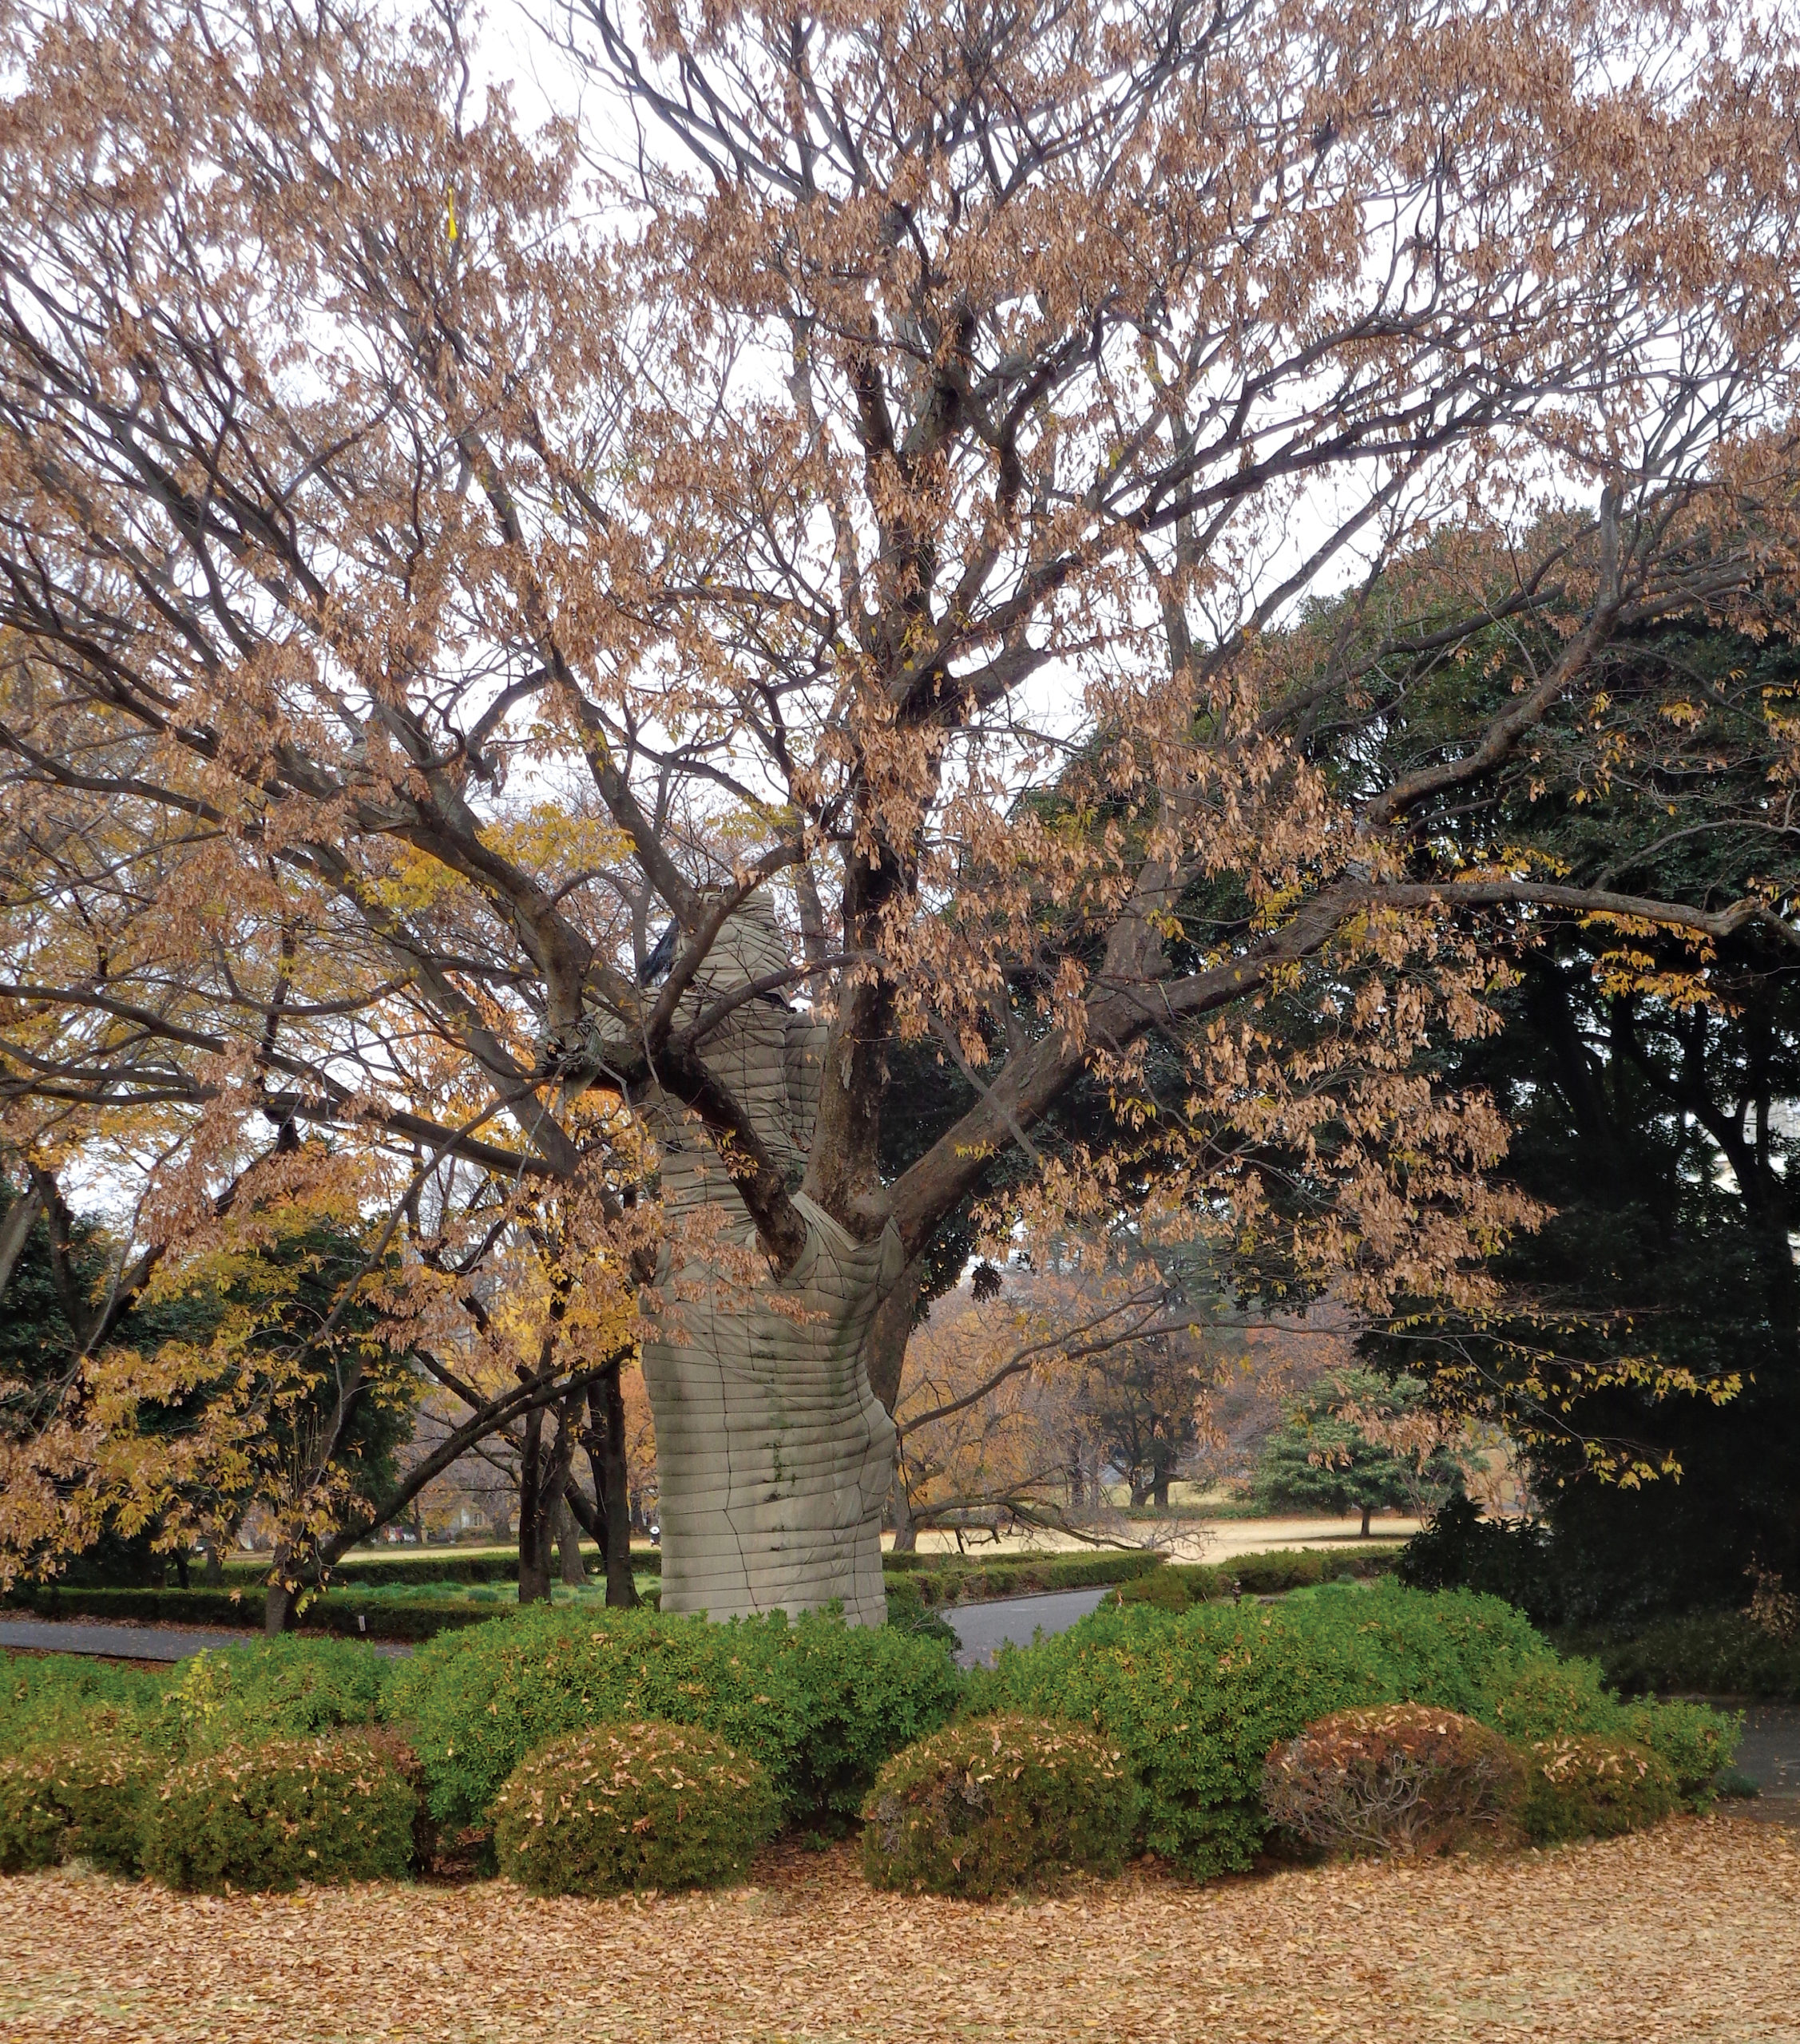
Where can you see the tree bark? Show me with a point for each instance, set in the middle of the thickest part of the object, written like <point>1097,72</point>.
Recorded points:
<point>775,1457</point>
<point>278,1610</point>
<point>905,1531</point>
<point>1366,1510</point>
<point>535,1516</point>
<point>569,1549</point>
<point>612,1487</point>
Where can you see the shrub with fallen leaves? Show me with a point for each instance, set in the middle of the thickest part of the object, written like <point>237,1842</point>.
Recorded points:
<point>818,1703</point>
<point>633,1806</point>
<point>1589,1787</point>
<point>1195,1699</point>
<point>997,1803</point>
<point>268,1816</point>
<point>83,1801</point>
<point>1542,1698</point>
<point>1399,1779</point>
<point>1198,1698</point>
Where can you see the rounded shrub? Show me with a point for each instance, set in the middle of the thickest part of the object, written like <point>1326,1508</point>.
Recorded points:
<point>633,1806</point>
<point>1589,1787</point>
<point>1400,1778</point>
<point>819,1705</point>
<point>1541,1696</point>
<point>288,1810</point>
<point>1694,1742</point>
<point>998,1803</point>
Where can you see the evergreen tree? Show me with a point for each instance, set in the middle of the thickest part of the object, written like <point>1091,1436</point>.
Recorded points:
<point>1320,1461</point>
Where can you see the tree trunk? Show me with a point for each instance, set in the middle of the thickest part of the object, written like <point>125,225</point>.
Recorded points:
<point>905,1533</point>
<point>1366,1510</point>
<point>774,1456</point>
<point>568,1550</point>
<point>537,1515</point>
<point>606,1402</point>
<point>212,1574</point>
<point>278,1610</point>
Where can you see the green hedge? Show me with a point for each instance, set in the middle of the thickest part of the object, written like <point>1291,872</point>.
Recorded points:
<point>1302,1568</point>
<point>377,1566</point>
<point>55,1700</point>
<point>336,1612</point>
<point>1282,1571</point>
<point>957,1581</point>
<point>292,1688</point>
<point>819,1705</point>
<point>1198,1698</point>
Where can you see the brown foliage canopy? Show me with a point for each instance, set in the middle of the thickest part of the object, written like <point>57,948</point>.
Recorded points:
<point>432,555</point>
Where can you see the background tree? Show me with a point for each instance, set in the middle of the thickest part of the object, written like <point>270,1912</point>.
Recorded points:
<point>1647,1359</point>
<point>545,699</point>
<point>1342,1450</point>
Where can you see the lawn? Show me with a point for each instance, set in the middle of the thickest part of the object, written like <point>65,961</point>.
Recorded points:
<point>1691,1932</point>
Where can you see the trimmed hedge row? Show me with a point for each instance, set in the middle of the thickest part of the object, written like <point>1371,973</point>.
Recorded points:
<point>1280,1571</point>
<point>955,1580</point>
<point>338,1613</point>
<point>382,1565</point>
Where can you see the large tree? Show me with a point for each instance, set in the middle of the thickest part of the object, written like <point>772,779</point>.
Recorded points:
<point>534,660</point>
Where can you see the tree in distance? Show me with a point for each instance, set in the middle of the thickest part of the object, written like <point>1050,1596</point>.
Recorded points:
<point>1322,1460</point>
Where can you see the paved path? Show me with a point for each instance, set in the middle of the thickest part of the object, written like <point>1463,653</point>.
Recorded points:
<point>1770,1756</point>
<point>138,1642</point>
<point>982,1628</point>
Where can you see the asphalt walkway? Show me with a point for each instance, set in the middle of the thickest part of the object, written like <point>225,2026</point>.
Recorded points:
<point>982,1629</point>
<point>1770,1755</point>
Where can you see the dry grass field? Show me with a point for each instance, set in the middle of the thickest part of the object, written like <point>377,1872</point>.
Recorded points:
<point>1689,1933</point>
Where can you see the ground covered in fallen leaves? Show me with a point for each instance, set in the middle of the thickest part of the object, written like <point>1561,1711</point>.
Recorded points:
<point>1688,1933</point>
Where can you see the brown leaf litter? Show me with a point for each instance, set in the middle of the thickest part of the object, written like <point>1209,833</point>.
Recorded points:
<point>1688,1933</point>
